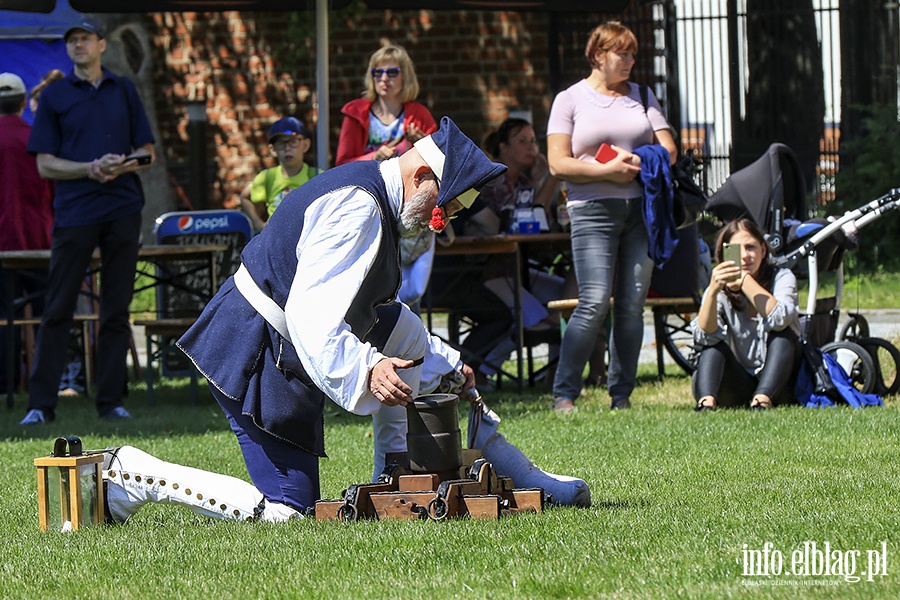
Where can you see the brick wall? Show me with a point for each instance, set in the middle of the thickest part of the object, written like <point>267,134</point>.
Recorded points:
<point>471,66</point>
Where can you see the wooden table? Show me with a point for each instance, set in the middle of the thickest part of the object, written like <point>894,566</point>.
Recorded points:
<point>518,248</point>
<point>21,261</point>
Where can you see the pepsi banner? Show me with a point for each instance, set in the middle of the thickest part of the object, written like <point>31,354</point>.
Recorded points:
<point>201,222</point>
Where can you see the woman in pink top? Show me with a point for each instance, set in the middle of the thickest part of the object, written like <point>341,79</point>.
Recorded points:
<point>609,239</point>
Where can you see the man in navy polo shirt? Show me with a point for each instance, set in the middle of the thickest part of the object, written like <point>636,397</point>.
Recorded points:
<point>86,127</point>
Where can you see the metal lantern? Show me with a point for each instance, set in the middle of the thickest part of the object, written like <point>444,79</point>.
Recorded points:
<point>70,487</point>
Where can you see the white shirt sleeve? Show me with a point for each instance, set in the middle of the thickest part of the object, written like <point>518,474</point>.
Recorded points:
<point>440,359</point>
<point>340,240</point>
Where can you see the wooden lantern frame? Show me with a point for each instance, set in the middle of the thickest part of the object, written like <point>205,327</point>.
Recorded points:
<point>70,487</point>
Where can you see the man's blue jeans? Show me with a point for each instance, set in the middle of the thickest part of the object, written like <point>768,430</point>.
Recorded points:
<point>609,251</point>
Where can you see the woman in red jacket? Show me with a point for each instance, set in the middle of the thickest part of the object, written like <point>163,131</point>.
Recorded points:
<point>386,121</point>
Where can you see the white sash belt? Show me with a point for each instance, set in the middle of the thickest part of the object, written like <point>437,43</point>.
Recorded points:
<point>264,305</point>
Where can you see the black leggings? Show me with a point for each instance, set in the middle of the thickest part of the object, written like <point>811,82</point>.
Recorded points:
<point>718,363</point>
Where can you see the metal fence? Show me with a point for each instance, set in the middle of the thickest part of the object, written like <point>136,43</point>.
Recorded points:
<point>694,54</point>
<point>712,70</point>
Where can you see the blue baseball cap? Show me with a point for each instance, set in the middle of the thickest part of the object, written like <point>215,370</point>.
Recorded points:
<point>287,126</point>
<point>461,167</point>
<point>85,24</point>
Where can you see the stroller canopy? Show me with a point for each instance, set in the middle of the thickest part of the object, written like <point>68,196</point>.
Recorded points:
<point>768,191</point>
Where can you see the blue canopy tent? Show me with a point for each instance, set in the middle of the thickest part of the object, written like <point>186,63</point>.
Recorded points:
<point>31,43</point>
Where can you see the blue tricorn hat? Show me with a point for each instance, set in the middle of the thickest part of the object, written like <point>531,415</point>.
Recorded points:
<point>460,166</point>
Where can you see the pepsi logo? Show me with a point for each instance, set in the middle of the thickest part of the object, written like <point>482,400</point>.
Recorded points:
<point>188,224</point>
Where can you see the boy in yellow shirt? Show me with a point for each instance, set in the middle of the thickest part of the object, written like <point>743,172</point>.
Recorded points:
<point>288,143</point>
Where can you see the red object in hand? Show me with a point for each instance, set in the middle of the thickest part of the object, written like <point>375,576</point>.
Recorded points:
<point>605,153</point>
<point>438,223</point>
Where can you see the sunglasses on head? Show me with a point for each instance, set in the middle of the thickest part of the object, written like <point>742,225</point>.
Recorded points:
<point>392,73</point>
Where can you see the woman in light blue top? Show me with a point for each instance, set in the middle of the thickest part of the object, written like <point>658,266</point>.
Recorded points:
<point>748,327</point>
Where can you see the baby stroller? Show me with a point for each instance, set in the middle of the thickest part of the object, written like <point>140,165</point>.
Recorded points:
<point>771,192</point>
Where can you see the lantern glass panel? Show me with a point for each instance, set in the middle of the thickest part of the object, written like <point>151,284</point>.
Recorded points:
<point>88,475</point>
<point>57,496</point>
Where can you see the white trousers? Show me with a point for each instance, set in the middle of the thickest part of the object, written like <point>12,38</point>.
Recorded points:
<point>133,478</point>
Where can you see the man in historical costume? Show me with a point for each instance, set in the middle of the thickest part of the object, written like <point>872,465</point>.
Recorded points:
<point>309,316</point>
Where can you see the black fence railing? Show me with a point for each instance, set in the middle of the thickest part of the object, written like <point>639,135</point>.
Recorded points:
<point>695,54</point>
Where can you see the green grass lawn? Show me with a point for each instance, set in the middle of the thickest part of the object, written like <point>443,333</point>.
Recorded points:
<point>679,498</point>
<point>861,290</point>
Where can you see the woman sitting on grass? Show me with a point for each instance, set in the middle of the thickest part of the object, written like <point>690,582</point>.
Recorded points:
<point>748,327</point>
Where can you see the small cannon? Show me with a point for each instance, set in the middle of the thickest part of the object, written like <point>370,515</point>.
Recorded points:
<point>435,479</point>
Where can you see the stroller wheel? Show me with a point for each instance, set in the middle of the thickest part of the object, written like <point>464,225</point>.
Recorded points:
<point>855,328</point>
<point>674,330</point>
<point>886,358</point>
<point>855,361</point>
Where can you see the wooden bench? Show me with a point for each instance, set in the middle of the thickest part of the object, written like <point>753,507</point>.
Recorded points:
<point>660,307</point>
<point>156,332</point>
<point>85,321</point>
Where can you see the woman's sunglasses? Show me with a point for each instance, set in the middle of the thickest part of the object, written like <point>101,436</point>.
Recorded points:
<point>392,73</point>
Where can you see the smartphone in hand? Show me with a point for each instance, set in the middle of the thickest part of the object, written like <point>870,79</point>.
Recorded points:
<point>142,159</point>
<point>605,153</point>
<point>732,252</point>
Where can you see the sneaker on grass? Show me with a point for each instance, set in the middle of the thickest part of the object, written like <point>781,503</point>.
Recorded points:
<point>35,416</point>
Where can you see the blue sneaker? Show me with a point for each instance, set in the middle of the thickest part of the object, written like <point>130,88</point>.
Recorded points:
<point>35,416</point>
<point>118,412</point>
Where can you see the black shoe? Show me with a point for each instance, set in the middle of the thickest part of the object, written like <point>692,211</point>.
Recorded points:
<point>620,404</point>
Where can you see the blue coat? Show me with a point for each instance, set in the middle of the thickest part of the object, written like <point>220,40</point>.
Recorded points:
<point>805,388</point>
<point>659,202</point>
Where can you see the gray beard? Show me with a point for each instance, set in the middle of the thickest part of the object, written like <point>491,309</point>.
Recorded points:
<point>409,225</point>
